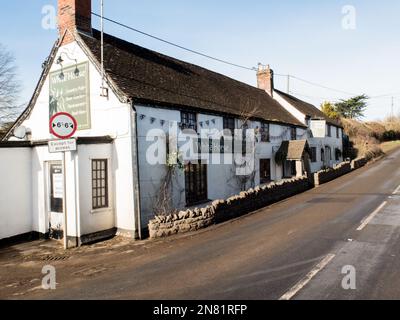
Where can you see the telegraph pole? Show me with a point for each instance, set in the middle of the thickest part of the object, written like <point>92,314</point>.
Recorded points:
<point>104,89</point>
<point>392,108</point>
<point>102,43</point>
<point>288,84</point>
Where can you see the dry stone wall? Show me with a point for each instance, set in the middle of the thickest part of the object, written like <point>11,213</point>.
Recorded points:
<point>224,210</point>
<point>330,174</point>
<point>358,163</point>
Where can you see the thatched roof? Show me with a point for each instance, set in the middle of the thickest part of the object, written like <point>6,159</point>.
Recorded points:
<point>150,77</point>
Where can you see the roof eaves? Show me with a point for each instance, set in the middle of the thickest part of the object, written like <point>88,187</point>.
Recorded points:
<point>287,96</point>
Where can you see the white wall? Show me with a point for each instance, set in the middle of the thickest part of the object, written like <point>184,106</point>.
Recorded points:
<point>291,109</point>
<point>333,142</point>
<point>15,192</point>
<point>222,182</point>
<point>82,220</point>
<point>109,117</point>
<point>150,176</point>
<point>92,221</point>
<point>106,113</point>
<point>40,199</point>
<point>321,143</point>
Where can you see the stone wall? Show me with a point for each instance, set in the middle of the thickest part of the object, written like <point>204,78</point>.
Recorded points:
<point>327,175</point>
<point>224,210</point>
<point>248,201</point>
<point>358,163</point>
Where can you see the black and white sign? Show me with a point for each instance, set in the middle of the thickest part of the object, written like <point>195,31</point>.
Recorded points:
<point>62,146</point>
<point>58,186</point>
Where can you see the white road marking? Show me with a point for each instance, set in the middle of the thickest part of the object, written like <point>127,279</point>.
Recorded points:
<point>397,191</point>
<point>367,220</point>
<point>303,282</point>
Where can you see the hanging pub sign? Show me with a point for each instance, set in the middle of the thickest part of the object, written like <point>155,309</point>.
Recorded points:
<point>70,93</point>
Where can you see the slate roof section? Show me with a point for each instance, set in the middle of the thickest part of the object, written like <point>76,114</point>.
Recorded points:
<point>307,108</point>
<point>153,78</point>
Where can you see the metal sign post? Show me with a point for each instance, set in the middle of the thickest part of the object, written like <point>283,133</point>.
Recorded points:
<point>65,220</point>
<point>63,126</point>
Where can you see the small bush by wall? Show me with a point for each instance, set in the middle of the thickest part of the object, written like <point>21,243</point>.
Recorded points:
<point>224,210</point>
<point>330,174</point>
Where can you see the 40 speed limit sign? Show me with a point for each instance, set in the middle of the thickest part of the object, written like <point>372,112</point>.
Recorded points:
<point>63,125</point>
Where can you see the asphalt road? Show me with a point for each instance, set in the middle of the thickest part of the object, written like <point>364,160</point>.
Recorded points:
<point>295,249</point>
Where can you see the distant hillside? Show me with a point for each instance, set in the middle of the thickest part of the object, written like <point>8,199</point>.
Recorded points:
<point>366,137</point>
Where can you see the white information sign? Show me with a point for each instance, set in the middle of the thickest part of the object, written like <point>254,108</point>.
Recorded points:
<point>62,145</point>
<point>58,185</point>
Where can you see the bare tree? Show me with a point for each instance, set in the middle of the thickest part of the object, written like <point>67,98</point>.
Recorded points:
<point>9,87</point>
<point>248,180</point>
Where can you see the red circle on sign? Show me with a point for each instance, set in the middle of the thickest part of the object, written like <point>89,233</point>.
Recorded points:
<point>68,116</point>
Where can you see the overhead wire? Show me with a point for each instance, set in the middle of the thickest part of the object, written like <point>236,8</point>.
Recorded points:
<point>176,45</point>
<point>235,64</point>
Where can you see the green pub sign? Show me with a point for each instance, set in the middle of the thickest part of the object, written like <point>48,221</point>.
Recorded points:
<point>70,92</point>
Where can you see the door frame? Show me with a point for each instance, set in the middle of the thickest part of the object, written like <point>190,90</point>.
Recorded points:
<point>205,175</point>
<point>47,195</point>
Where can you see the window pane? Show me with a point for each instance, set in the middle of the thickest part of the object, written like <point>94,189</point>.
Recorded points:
<point>189,120</point>
<point>99,184</point>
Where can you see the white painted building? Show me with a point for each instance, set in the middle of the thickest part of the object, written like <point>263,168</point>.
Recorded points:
<point>112,185</point>
<point>325,135</point>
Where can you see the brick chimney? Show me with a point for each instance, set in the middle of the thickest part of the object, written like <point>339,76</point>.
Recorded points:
<point>74,15</point>
<point>265,79</point>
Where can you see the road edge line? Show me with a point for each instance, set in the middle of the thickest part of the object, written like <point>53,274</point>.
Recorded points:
<point>368,219</point>
<point>303,282</point>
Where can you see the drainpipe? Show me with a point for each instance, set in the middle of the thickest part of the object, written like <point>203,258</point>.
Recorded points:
<point>135,172</point>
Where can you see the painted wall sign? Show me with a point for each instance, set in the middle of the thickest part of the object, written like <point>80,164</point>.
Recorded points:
<point>70,92</point>
<point>318,128</point>
<point>63,125</point>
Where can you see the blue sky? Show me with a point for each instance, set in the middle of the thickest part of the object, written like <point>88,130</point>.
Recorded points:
<point>303,38</point>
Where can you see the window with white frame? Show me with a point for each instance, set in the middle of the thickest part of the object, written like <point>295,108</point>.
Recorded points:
<point>188,120</point>
<point>100,184</point>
